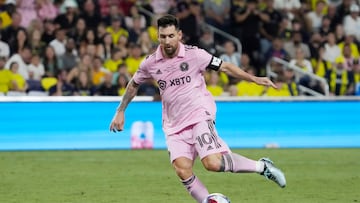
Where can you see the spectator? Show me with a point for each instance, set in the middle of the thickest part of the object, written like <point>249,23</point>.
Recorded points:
<point>325,27</point>
<point>152,30</point>
<point>217,13</point>
<point>300,61</point>
<point>122,70</point>
<point>145,43</point>
<point>289,78</point>
<point>188,24</point>
<point>9,33</point>
<point>37,46</point>
<point>107,88</point>
<point>342,10</point>
<point>67,20</point>
<point>51,62</point>
<point>125,6</point>
<point>69,59</point>
<point>352,22</point>
<point>90,37</point>
<point>36,68</point>
<point>134,14</point>
<point>59,42</point>
<point>316,41</point>
<point>116,59</point>
<point>18,82</point>
<point>320,64</point>
<point>19,42</point>
<point>277,50</point>
<point>105,47</point>
<point>314,18</point>
<point>46,10</point>
<point>249,19</point>
<point>231,55</point>
<point>101,30</point>
<point>134,59</point>
<point>122,81</point>
<point>160,7</point>
<point>4,49</point>
<point>116,30</point>
<point>83,85</point>
<point>84,65</point>
<point>356,73</point>
<point>331,14</point>
<point>295,43</point>
<point>62,87</point>
<point>98,71</point>
<point>283,90</point>
<point>5,77</point>
<point>114,13</point>
<point>21,59</point>
<point>331,48</point>
<point>339,33</point>
<point>90,14</point>
<point>349,40</point>
<point>28,11</point>
<point>136,30</point>
<point>245,88</point>
<point>271,29</point>
<point>104,7</point>
<point>212,84</point>
<point>78,32</point>
<point>207,41</point>
<point>347,58</point>
<point>341,81</point>
<point>49,32</point>
<point>123,45</point>
<point>288,7</point>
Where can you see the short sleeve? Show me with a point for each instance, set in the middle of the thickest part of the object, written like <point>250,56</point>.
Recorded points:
<point>208,61</point>
<point>142,74</point>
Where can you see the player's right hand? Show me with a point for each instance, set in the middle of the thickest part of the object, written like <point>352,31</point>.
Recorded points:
<point>117,123</point>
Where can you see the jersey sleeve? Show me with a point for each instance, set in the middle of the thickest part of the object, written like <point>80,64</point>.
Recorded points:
<point>208,61</point>
<point>142,74</point>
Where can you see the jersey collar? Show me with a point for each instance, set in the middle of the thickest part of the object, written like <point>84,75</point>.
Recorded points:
<point>159,55</point>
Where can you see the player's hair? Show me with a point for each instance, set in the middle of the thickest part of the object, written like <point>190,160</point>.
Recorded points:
<point>168,20</point>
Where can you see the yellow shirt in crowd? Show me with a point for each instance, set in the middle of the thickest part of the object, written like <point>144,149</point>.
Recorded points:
<point>133,64</point>
<point>112,65</point>
<point>116,34</point>
<point>5,80</point>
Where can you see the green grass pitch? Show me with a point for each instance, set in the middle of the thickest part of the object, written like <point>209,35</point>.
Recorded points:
<point>146,176</point>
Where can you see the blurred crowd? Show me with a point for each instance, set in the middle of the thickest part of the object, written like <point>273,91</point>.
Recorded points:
<point>93,47</point>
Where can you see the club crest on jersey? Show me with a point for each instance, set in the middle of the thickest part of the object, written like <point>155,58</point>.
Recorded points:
<point>184,66</point>
<point>162,84</point>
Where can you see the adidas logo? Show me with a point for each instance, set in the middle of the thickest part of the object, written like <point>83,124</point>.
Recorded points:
<point>209,148</point>
<point>158,72</point>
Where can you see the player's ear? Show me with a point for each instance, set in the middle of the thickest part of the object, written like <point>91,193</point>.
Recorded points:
<point>180,34</point>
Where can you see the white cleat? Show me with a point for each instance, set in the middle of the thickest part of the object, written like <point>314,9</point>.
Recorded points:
<point>273,173</point>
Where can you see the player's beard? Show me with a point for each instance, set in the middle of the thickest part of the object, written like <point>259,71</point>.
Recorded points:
<point>170,50</point>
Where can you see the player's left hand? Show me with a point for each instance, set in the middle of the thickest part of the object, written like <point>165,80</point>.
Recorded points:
<point>265,81</point>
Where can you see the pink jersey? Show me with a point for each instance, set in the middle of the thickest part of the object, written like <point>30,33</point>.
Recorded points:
<point>185,99</point>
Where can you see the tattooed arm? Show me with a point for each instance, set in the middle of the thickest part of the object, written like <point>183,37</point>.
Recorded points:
<point>117,123</point>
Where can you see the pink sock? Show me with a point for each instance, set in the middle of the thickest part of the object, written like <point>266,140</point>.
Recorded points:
<point>236,163</point>
<point>196,189</point>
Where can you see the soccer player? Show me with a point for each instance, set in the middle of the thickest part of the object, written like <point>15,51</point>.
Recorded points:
<point>188,109</point>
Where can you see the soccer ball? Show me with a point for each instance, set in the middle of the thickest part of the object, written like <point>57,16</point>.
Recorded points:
<point>216,198</point>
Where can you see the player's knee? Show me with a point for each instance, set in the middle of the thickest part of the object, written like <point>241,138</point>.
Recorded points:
<point>184,173</point>
<point>183,168</point>
<point>212,163</point>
